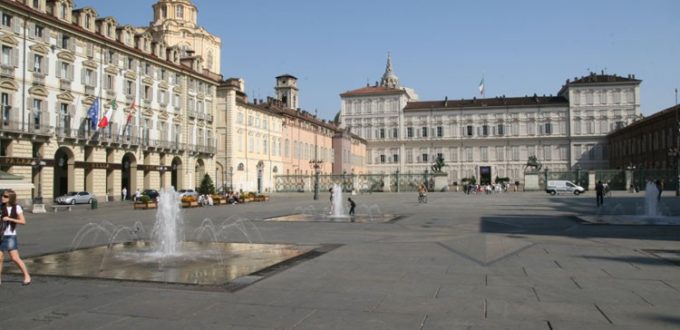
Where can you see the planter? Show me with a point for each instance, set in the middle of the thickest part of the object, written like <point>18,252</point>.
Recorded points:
<point>142,206</point>
<point>190,204</point>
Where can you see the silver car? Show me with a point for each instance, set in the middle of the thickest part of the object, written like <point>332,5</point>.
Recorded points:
<point>75,197</point>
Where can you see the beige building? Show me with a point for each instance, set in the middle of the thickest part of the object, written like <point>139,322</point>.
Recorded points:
<point>262,139</point>
<point>175,23</point>
<point>58,63</point>
<point>249,147</point>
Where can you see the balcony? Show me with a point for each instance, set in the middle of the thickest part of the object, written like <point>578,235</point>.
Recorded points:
<point>38,78</point>
<point>209,117</point>
<point>7,71</point>
<point>201,116</point>
<point>191,114</point>
<point>30,128</point>
<point>64,85</point>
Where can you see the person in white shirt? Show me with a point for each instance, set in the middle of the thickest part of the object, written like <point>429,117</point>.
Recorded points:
<point>12,215</point>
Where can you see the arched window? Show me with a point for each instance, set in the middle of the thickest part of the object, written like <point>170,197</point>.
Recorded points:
<point>179,12</point>
<point>240,167</point>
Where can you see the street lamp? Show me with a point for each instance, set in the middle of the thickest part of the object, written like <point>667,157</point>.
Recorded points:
<point>316,165</point>
<point>37,163</point>
<point>162,170</point>
<point>231,174</point>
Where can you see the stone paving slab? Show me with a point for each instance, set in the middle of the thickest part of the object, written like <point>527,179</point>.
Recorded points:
<point>506,261</point>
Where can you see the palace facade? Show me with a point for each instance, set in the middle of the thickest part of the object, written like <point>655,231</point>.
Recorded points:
<point>490,137</point>
<point>63,69</point>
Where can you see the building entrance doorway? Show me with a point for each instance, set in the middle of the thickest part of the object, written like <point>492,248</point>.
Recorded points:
<point>484,175</point>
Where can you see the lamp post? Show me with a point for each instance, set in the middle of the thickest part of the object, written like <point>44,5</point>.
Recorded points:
<point>578,174</point>
<point>162,170</point>
<point>316,165</point>
<point>231,174</point>
<point>37,164</point>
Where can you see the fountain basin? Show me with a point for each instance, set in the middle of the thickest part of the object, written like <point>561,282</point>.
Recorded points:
<point>196,263</point>
<point>358,218</point>
<point>630,220</point>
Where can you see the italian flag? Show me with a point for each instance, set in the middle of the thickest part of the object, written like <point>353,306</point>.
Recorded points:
<point>481,87</point>
<point>106,120</point>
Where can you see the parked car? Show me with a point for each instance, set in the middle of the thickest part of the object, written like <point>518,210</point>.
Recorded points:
<point>187,192</point>
<point>558,186</point>
<point>152,193</point>
<point>75,197</point>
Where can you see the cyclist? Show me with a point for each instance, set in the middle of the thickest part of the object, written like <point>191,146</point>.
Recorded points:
<point>422,193</point>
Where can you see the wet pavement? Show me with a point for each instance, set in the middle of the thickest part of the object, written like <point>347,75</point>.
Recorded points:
<point>507,261</point>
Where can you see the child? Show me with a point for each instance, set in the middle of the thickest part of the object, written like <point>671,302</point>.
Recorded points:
<point>352,205</point>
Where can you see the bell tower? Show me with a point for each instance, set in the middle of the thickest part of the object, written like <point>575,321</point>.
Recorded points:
<point>287,90</point>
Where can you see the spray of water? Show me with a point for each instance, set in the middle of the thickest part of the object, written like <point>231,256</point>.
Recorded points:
<point>167,231</point>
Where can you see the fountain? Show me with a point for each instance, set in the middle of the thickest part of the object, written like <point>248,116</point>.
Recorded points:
<point>337,212</point>
<point>168,258</point>
<point>647,214</point>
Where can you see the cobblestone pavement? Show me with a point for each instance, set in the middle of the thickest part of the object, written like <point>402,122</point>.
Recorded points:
<point>513,260</point>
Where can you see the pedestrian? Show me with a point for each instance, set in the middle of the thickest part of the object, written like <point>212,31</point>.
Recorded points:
<point>12,215</point>
<point>352,205</point>
<point>138,195</point>
<point>599,191</point>
<point>123,194</point>
<point>331,209</point>
<point>659,187</point>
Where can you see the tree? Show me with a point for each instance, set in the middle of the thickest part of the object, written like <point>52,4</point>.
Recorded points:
<point>207,186</point>
<point>438,164</point>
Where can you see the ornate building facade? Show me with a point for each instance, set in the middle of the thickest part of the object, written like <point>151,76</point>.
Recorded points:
<point>63,70</point>
<point>490,137</point>
<point>175,23</point>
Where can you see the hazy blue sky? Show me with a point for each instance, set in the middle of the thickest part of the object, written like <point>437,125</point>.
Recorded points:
<point>439,48</point>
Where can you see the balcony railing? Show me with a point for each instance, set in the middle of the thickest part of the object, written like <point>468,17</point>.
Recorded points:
<point>30,127</point>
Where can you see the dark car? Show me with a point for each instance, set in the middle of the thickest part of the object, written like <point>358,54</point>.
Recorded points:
<point>152,193</point>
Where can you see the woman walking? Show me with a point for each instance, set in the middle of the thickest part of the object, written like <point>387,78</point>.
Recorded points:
<point>12,214</point>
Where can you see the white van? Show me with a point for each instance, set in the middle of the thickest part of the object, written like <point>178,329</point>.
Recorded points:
<point>560,186</point>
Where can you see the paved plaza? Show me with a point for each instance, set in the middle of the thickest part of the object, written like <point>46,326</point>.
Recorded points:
<point>505,261</point>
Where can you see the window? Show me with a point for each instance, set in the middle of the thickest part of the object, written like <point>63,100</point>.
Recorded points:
<point>37,63</point>
<point>548,128</point>
<point>501,129</point>
<point>409,132</point>
<point>382,133</point>
<point>239,118</point>
<point>36,4</point>
<point>424,132</point>
<point>109,82</point>
<point>240,167</point>
<point>500,153</point>
<point>37,107</point>
<point>6,55</point>
<point>468,154</point>
<point>147,93</point>
<point>129,87</point>
<point>6,108</point>
<point>382,159</point>
<point>89,78</point>
<point>38,31</point>
<point>65,41</point>
<point>469,130</point>
<point>7,20</point>
<point>484,151</point>
<point>485,130</point>
<point>395,158</point>
<point>424,158</point>
<point>179,12</point>
<point>395,133</point>
<point>62,12</point>
<point>65,71</point>
<point>440,131</point>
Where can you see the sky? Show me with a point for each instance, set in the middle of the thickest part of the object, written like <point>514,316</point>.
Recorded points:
<point>439,48</point>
